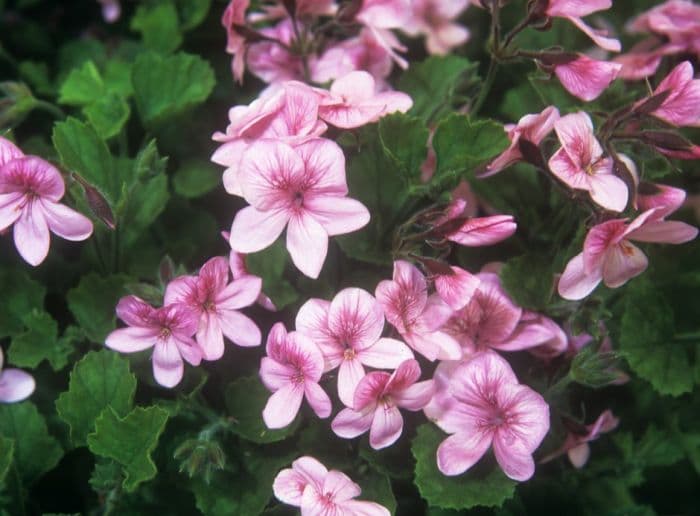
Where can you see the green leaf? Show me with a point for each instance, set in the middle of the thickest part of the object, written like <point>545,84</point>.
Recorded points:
<point>158,25</point>
<point>404,139</point>
<point>646,341</point>
<point>196,178</point>
<point>168,86</point>
<point>465,491</point>
<point>83,86</point>
<point>35,450</point>
<point>245,399</point>
<point>117,77</point>
<point>83,151</point>
<point>192,12</point>
<point>21,295</point>
<point>93,301</point>
<point>7,452</point>
<point>36,73</point>
<point>146,202</point>
<point>376,487</point>
<point>108,115</point>
<point>529,280</point>
<point>129,441</point>
<point>101,379</point>
<point>39,342</point>
<point>432,83</point>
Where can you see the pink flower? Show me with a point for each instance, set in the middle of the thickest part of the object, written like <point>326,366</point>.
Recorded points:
<point>435,19</point>
<point>580,164</point>
<point>456,227</point>
<point>576,444</point>
<point>291,370</point>
<point>239,269</point>
<point>677,20</point>
<point>586,78</point>
<point>666,199</point>
<point>234,14</point>
<point>352,102</point>
<point>574,10</point>
<point>319,492</point>
<point>111,10</point>
<point>30,189</point>
<point>376,406</point>
<point>532,128</point>
<point>15,385</point>
<point>167,330</point>
<point>491,408</point>
<point>682,106</point>
<point>347,331</point>
<point>271,62</point>
<point>384,14</point>
<point>302,189</point>
<point>533,326</point>
<point>610,256</point>
<point>217,302</point>
<point>456,289</point>
<point>416,316</point>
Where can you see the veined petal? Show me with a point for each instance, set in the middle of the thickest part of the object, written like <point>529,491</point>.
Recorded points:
<point>348,424</point>
<point>363,508</point>
<point>130,340</point>
<point>239,329</point>
<point>356,317</point>
<point>283,406</point>
<point>318,399</point>
<point>209,337</point>
<point>167,363</point>
<point>324,167</point>
<point>8,151</point>
<point>10,208</point>
<point>385,353</point>
<point>307,243</point>
<point>387,426</point>
<point>414,397</point>
<point>66,222</point>
<point>31,234</point>
<point>664,232</point>
<point>239,293</point>
<point>349,376</point>
<point>254,230</point>
<point>459,452</point>
<point>179,290</point>
<point>337,215</point>
<point>574,283</point>
<point>515,463</point>
<point>599,37</point>
<point>623,262</point>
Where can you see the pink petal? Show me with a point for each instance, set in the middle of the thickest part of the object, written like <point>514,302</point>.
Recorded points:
<point>385,353</point>
<point>664,232</point>
<point>516,464</point>
<point>239,293</point>
<point>15,385</point>
<point>609,191</point>
<point>65,222</point>
<point>324,166</point>
<point>230,155</point>
<point>601,236</point>
<point>414,397</point>
<point>356,316</point>
<point>349,376</point>
<point>575,132</point>
<point>370,389</point>
<point>307,243</point>
<point>130,340</point>
<point>45,180</point>
<point>275,375</point>
<point>210,338</point>
<point>31,235</point>
<point>302,349</point>
<point>312,470</point>
<point>436,345</point>
<point>578,455</point>
<point>354,87</point>
<point>598,36</point>
<point>214,274</point>
<point>348,424</point>
<point>338,215</point>
<point>10,208</point>
<point>339,486</point>
<point>189,350</point>
<point>253,230</point>
<point>276,340</point>
<point>587,78</point>
<point>526,336</point>
<point>481,231</point>
<point>134,311</point>
<point>239,329</point>
<point>167,363</point>
<point>288,486</point>
<point>405,375</point>
<point>8,151</point>
<point>387,426</point>
<point>312,321</point>
<point>350,116</point>
<point>564,168</point>
<point>574,283</point>
<point>456,289</point>
<point>318,399</point>
<point>283,406</point>
<point>623,262</point>
<point>485,370</point>
<point>362,508</point>
<point>578,8</point>
<point>459,452</point>
<point>528,417</point>
<point>179,290</point>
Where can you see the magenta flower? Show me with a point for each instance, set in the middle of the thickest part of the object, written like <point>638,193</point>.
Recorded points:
<point>15,384</point>
<point>376,405</point>
<point>291,370</point>
<point>300,188</point>
<point>586,78</point>
<point>574,10</point>
<point>457,227</point>
<point>167,330</point>
<point>489,408</point>
<point>234,14</point>
<point>352,102</point>
<point>682,106</point>
<point>435,19</point>
<point>319,492</point>
<point>678,21</point>
<point>417,317</point>
<point>580,164</point>
<point>272,62</point>
<point>30,189</point>
<point>610,256</point>
<point>456,289</point>
<point>531,128</point>
<point>347,331</point>
<point>217,302</point>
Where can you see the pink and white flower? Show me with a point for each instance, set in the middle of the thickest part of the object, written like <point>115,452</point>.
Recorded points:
<point>376,405</point>
<point>348,332</point>
<point>234,14</point>
<point>217,302</point>
<point>456,226</point>
<point>580,164</point>
<point>435,19</point>
<point>272,62</point>
<point>586,78</point>
<point>291,370</point>
<point>15,384</point>
<point>490,408</point>
<point>168,330</point>
<point>682,106</point>
<point>300,188</point>
<point>456,289</point>
<point>575,10</point>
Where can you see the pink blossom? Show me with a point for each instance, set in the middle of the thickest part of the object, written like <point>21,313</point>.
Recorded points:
<point>575,10</point>
<point>15,384</point>
<point>30,189</point>
<point>456,289</point>
<point>456,227</point>
<point>234,14</point>
<point>384,14</point>
<point>417,317</point>
<point>239,269</point>
<point>291,370</point>
<point>682,106</point>
<point>167,330</point>
<point>576,444</point>
<point>586,78</point>
<point>353,102</point>
<point>551,339</point>
<point>348,333</point>
<point>318,492</point>
<point>666,199</point>
<point>641,61</point>
<point>531,128</point>
<point>490,407</point>
<point>610,256</point>
<point>675,20</point>
<point>217,302</point>
<point>111,10</point>
<point>376,405</point>
<point>435,19</point>
<point>301,188</point>
<point>580,164</point>
<point>271,62</point>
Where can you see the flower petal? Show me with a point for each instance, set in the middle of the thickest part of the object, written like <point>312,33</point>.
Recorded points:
<point>356,317</point>
<point>623,262</point>
<point>318,399</point>
<point>239,293</point>
<point>515,463</point>
<point>574,283</point>
<point>239,329</point>
<point>348,424</point>
<point>130,340</point>
<point>66,222</point>
<point>31,235</point>
<point>167,363</point>
<point>349,376</point>
<point>338,215</point>
<point>307,243</point>
<point>609,191</point>
<point>10,208</point>
<point>387,426</point>
<point>209,337</point>
<point>459,452</point>
<point>414,397</point>
<point>386,353</point>
<point>254,230</point>
<point>283,406</point>
<point>15,385</point>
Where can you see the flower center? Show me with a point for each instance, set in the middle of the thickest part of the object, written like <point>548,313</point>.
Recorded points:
<point>349,354</point>
<point>164,333</point>
<point>627,248</point>
<point>298,199</point>
<point>298,377</point>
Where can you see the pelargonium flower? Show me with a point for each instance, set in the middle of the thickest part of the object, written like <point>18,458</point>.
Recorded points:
<point>610,256</point>
<point>580,164</point>
<point>318,492</point>
<point>574,10</point>
<point>30,189</point>
<point>678,21</point>
<point>415,315</point>
<point>272,62</point>
<point>234,14</point>
<point>217,302</point>
<point>301,188</point>
<point>347,331</point>
<point>15,384</point>
<point>553,340</point>
<point>586,78</point>
<point>435,19</point>
<point>376,405</point>
<point>490,408</point>
<point>353,102</point>
<point>457,227</point>
<point>456,288</point>
<point>682,106</point>
<point>291,370</point>
<point>532,128</point>
<point>168,330</point>
<point>239,269</point>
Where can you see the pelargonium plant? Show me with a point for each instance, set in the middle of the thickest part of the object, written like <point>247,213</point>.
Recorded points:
<point>349,257</point>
